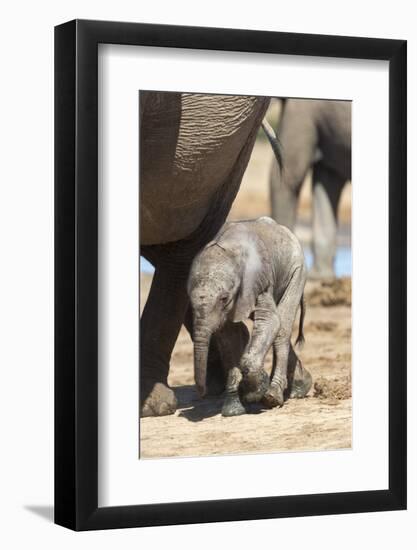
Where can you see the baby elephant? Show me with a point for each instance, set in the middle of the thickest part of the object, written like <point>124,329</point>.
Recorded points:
<point>252,270</point>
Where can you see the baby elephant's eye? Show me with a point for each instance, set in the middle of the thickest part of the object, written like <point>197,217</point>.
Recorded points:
<point>224,299</point>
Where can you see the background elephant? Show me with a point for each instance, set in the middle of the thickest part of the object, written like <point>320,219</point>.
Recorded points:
<point>313,134</point>
<point>194,150</point>
<point>252,269</point>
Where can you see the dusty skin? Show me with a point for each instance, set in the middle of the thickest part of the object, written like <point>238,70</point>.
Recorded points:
<point>321,421</point>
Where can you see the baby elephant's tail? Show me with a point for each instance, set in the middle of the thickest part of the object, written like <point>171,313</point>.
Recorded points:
<point>300,338</point>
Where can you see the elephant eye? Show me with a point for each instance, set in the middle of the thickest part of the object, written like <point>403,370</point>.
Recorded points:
<point>225,299</point>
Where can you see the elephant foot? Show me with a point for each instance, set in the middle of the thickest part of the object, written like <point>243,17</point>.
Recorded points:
<point>301,384</point>
<point>274,397</point>
<point>253,386</point>
<point>161,401</point>
<point>232,406</point>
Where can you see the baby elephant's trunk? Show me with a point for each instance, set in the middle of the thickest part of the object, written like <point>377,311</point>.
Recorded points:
<point>202,337</point>
<point>300,338</point>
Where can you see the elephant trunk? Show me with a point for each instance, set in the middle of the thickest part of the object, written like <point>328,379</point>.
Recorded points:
<point>202,337</point>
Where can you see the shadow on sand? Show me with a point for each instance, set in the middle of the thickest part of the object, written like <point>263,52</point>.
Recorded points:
<point>196,409</point>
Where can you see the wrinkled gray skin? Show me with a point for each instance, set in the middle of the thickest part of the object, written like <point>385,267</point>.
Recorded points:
<point>313,134</point>
<point>252,269</point>
<point>194,150</point>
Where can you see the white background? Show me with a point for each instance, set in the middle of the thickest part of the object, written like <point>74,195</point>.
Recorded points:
<point>122,478</point>
<point>26,299</point>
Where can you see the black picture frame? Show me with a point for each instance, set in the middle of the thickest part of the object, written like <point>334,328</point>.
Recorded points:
<point>76,271</point>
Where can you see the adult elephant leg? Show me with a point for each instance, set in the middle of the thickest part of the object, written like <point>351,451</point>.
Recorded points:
<point>298,136</point>
<point>327,188</point>
<point>284,199</point>
<point>160,323</point>
<point>216,370</point>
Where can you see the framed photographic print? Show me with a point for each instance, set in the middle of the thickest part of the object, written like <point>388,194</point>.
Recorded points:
<point>230,253</point>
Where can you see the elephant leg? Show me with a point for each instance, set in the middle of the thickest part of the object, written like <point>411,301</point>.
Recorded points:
<point>255,380</point>
<point>232,405</point>
<point>299,138</point>
<point>216,370</point>
<point>287,310</point>
<point>232,340</point>
<point>283,197</point>
<point>160,324</point>
<point>274,396</point>
<point>299,380</point>
<point>327,188</point>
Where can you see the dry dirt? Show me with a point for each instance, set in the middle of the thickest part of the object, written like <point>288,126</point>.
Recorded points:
<point>313,423</point>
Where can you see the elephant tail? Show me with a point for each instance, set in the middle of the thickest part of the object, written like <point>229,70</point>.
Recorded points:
<point>275,143</point>
<point>300,338</point>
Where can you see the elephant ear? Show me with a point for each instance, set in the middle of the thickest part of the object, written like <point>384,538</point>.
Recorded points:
<point>254,278</point>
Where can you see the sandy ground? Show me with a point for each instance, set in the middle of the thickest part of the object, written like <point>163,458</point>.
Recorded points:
<point>313,423</point>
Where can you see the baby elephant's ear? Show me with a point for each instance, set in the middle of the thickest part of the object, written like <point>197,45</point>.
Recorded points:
<point>252,281</point>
